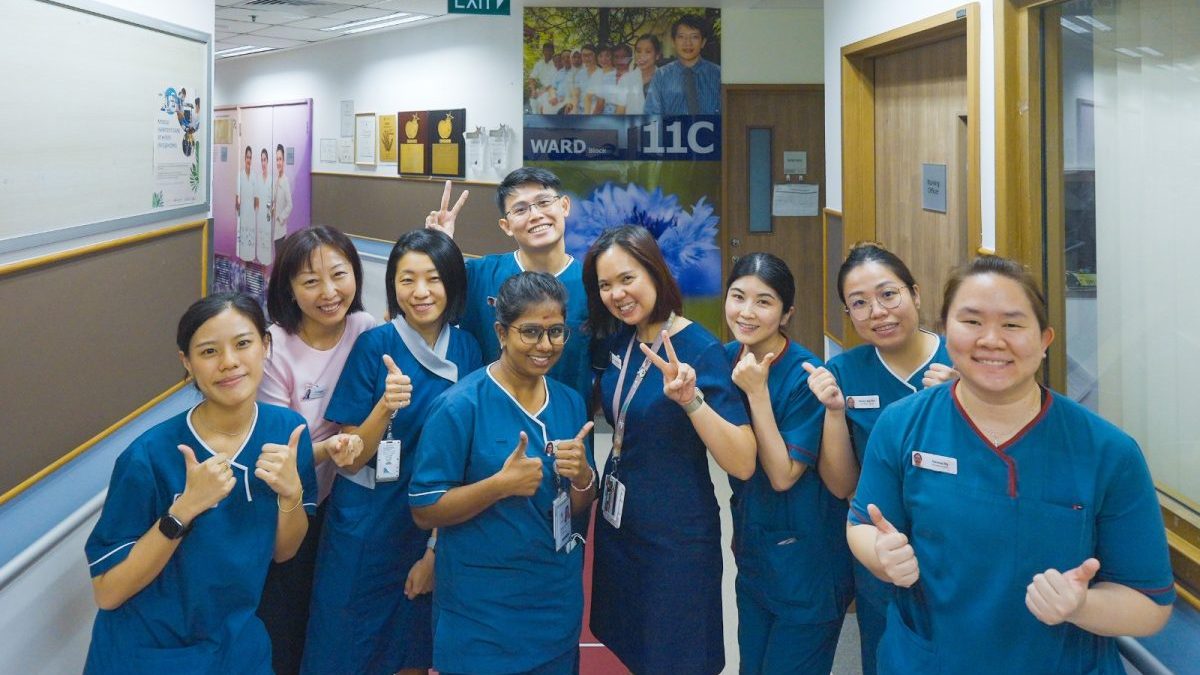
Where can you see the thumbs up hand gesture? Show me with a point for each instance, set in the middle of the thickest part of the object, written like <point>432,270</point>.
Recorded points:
<point>895,554</point>
<point>569,460</point>
<point>825,387</point>
<point>397,393</point>
<point>1054,597</point>
<point>750,375</point>
<point>937,374</point>
<point>276,467</point>
<point>521,475</point>
<point>206,484</point>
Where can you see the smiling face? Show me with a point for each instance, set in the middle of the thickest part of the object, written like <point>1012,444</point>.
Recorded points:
<point>249,160</point>
<point>875,284</point>
<point>589,59</point>
<point>754,311</point>
<point>644,54</point>
<point>263,156</point>
<point>225,357</point>
<point>688,43</point>
<point>576,60</point>
<point>993,338</point>
<point>420,292</point>
<point>539,229</point>
<point>626,287</point>
<point>526,360</point>
<point>324,288</point>
<point>279,162</point>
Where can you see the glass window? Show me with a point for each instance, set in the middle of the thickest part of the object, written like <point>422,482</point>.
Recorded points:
<point>1129,82</point>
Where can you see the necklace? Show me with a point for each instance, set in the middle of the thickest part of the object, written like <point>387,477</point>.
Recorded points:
<point>209,427</point>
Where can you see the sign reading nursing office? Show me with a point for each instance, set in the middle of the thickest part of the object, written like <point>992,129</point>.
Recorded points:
<point>498,7</point>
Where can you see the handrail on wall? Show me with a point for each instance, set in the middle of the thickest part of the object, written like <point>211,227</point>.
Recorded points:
<point>24,560</point>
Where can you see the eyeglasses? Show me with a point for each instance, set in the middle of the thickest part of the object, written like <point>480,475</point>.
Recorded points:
<point>531,334</point>
<point>522,211</point>
<point>859,307</point>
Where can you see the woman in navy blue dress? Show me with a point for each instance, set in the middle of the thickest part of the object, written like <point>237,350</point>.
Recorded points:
<point>656,591</point>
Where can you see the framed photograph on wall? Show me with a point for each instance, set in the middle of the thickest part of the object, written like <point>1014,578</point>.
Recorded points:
<point>364,139</point>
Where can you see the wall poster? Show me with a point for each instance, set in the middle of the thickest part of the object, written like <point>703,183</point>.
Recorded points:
<point>624,105</point>
<point>262,188</point>
<point>177,149</point>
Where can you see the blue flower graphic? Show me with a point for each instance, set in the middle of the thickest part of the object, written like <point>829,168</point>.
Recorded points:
<point>687,240</point>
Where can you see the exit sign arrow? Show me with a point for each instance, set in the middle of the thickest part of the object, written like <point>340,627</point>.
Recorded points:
<point>494,7</point>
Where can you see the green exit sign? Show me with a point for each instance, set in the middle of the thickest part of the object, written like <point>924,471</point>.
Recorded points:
<point>499,7</point>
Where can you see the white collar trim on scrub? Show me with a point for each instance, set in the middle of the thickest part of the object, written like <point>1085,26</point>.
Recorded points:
<point>517,258</point>
<point>232,460</point>
<point>920,369</point>
<point>545,388</point>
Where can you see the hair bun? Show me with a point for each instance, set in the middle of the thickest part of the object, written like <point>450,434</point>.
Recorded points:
<point>868,243</point>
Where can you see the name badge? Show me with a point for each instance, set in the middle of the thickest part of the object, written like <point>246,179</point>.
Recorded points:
<point>862,402</point>
<point>313,392</point>
<point>932,462</point>
<point>614,359</point>
<point>562,521</point>
<point>612,503</point>
<point>387,461</point>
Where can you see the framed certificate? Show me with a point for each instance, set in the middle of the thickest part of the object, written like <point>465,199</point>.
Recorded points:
<point>364,139</point>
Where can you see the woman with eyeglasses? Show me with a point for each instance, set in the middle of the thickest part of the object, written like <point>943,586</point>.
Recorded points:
<point>1019,529</point>
<point>197,509</point>
<point>509,466</point>
<point>794,579</point>
<point>656,592</point>
<point>898,359</point>
<point>371,610</point>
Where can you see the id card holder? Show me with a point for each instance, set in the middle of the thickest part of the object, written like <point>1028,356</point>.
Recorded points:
<point>562,521</point>
<point>387,461</point>
<point>613,503</point>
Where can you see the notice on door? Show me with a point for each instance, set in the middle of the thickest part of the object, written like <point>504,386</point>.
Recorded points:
<point>933,187</point>
<point>796,199</point>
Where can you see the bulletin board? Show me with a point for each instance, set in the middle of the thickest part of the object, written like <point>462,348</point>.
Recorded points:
<point>102,129</point>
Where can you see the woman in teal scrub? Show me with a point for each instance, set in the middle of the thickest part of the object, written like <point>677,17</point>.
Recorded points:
<point>1019,528</point>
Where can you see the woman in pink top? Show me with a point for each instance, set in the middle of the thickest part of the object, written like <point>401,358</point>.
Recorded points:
<point>315,303</point>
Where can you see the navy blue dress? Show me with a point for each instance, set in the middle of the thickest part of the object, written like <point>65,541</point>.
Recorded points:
<point>656,586</point>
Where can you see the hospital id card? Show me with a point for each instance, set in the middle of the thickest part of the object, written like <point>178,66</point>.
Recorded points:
<point>387,461</point>
<point>562,521</point>
<point>613,503</point>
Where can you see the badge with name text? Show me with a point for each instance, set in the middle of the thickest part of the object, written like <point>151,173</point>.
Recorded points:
<point>932,462</point>
<point>862,402</point>
<point>387,461</point>
<point>612,503</point>
<point>562,521</point>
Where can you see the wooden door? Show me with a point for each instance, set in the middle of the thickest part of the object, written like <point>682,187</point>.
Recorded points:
<point>921,118</point>
<point>794,116</point>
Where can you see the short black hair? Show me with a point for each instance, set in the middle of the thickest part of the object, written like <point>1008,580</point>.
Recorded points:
<point>521,291</point>
<point>771,270</point>
<point>279,148</point>
<point>206,308</point>
<point>548,45</point>
<point>691,21</point>
<point>264,153</point>
<point>526,175</point>
<point>447,259</point>
<point>296,250</point>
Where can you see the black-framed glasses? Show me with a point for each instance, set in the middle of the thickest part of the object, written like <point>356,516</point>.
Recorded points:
<point>531,333</point>
<point>521,211</point>
<point>888,297</point>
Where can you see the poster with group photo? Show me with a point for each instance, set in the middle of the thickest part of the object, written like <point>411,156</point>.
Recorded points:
<point>624,104</point>
<point>262,186</point>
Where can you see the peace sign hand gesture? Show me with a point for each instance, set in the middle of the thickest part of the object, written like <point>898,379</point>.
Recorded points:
<point>569,460</point>
<point>679,379</point>
<point>443,220</point>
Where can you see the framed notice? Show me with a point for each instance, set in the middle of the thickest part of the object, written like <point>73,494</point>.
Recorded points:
<point>364,139</point>
<point>387,138</point>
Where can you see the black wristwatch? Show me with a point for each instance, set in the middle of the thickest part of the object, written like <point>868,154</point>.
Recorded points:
<point>172,527</point>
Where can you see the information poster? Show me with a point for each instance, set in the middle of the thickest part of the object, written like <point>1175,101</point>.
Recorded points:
<point>178,146</point>
<point>624,105</point>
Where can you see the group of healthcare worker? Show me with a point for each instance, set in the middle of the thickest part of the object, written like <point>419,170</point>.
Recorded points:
<point>450,451</point>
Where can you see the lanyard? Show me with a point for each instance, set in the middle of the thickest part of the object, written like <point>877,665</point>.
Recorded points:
<point>623,409</point>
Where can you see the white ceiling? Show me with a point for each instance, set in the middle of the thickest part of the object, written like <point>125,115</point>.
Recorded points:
<point>281,24</point>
